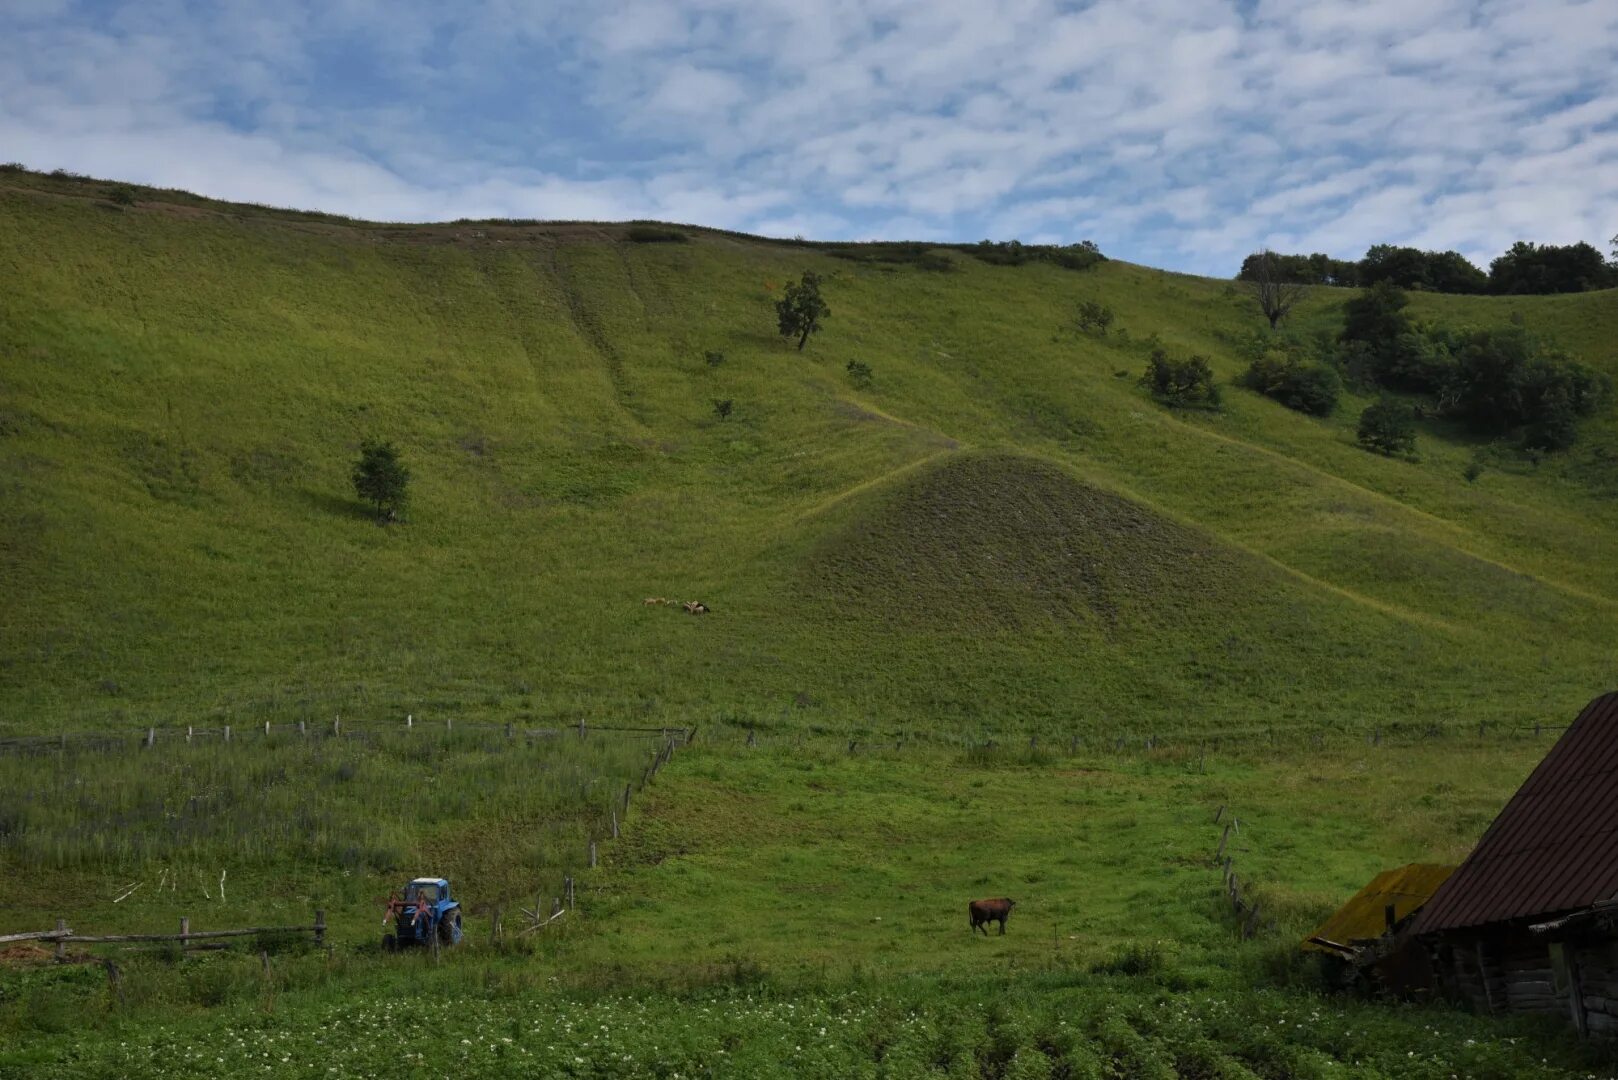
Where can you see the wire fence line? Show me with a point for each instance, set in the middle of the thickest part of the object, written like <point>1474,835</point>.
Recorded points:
<point>338,728</point>
<point>1197,744</point>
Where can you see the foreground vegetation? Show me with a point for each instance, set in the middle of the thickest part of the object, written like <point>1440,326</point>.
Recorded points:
<point>792,908</point>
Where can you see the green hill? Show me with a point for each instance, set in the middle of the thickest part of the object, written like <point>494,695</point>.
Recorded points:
<point>184,386</point>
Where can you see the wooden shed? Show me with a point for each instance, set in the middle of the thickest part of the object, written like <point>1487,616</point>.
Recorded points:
<point>1527,923</point>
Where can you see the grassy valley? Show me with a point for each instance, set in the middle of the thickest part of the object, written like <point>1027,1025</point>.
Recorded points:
<point>990,622</point>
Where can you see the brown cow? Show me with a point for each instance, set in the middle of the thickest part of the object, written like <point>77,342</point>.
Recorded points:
<point>983,912</point>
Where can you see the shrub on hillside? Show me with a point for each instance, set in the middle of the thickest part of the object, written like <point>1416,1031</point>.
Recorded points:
<point>655,234</point>
<point>1500,381</point>
<point>1505,380</point>
<point>723,407</point>
<point>122,195</point>
<point>1183,384</point>
<point>1093,318</point>
<point>1080,256</point>
<point>1388,427</point>
<point>1307,387</point>
<point>713,357</point>
<point>381,479</point>
<point>859,373</point>
<point>13,167</point>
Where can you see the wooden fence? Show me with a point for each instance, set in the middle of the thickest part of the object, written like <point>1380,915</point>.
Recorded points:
<point>63,936</point>
<point>1246,912</point>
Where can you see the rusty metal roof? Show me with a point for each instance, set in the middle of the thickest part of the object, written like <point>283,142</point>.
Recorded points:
<point>1554,848</point>
<point>1365,916</point>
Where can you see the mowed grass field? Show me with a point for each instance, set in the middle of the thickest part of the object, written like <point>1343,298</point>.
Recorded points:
<point>1000,539</point>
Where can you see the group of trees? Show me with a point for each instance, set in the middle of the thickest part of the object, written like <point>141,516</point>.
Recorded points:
<point>1499,381</point>
<point>1526,268</point>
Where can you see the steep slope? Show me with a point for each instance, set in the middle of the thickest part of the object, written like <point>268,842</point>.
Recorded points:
<point>183,386</point>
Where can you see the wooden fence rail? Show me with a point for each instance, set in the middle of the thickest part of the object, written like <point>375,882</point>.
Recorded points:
<point>63,935</point>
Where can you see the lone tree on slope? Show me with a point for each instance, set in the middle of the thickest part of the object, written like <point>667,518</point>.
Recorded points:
<point>381,479</point>
<point>801,309</point>
<point>1268,283</point>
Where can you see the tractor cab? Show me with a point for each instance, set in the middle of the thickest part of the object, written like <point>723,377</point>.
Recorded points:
<point>430,889</point>
<point>423,913</point>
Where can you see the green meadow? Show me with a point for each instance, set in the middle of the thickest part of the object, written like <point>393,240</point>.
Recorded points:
<point>990,623</point>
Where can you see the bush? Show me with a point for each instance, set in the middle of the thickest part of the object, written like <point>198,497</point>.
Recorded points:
<point>714,358</point>
<point>859,374</point>
<point>1080,256</point>
<point>723,407</point>
<point>123,195</point>
<point>1183,384</point>
<point>1308,388</point>
<point>655,234</point>
<point>895,253</point>
<point>381,479</point>
<point>13,167</point>
<point>1093,318</point>
<point>1136,958</point>
<point>1388,427</point>
<point>1505,380</point>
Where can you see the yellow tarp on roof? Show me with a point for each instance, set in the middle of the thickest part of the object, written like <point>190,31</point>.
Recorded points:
<point>1363,917</point>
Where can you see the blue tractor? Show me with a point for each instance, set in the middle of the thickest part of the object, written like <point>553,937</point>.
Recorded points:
<point>425,914</point>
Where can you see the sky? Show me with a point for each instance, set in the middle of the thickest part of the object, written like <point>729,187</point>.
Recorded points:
<point>1178,133</point>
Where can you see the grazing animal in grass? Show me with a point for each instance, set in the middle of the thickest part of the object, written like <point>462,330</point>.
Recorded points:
<point>983,912</point>
<point>696,607</point>
<point>650,600</point>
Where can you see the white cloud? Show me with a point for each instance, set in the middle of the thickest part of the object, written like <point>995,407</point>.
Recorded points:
<point>1190,131</point>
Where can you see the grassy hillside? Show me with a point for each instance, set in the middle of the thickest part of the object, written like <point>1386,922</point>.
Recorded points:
<point>184,388</point>
<point>994,623</point>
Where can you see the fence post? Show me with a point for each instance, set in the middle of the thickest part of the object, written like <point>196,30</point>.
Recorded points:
<point>410,720</point>
<point>151,737</point>
<point>1252,920</point>
<point>61,946</point>
<point>320,926</point>
<point>303,730</point>
<point>752,737</point>
<point>266,729</point>
<point>185,930</point>
<point>336,725</point>
<point>227,732</point>
<point>511,731</point>
<point>494,928</point>
<point>592,854</point>
<point>581,727</point>
<point>449,723</point>
<point>567,887</point>
<point>1224,836</point>
<point>614,812</point>
<point>626,798</point>
<point>1219,814</point>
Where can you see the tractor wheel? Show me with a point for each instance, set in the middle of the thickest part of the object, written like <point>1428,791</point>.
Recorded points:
<point>449,927</point>
<point>389,943</point>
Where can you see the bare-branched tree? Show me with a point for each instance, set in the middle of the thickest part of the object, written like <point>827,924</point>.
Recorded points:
<point>1275,295</point>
